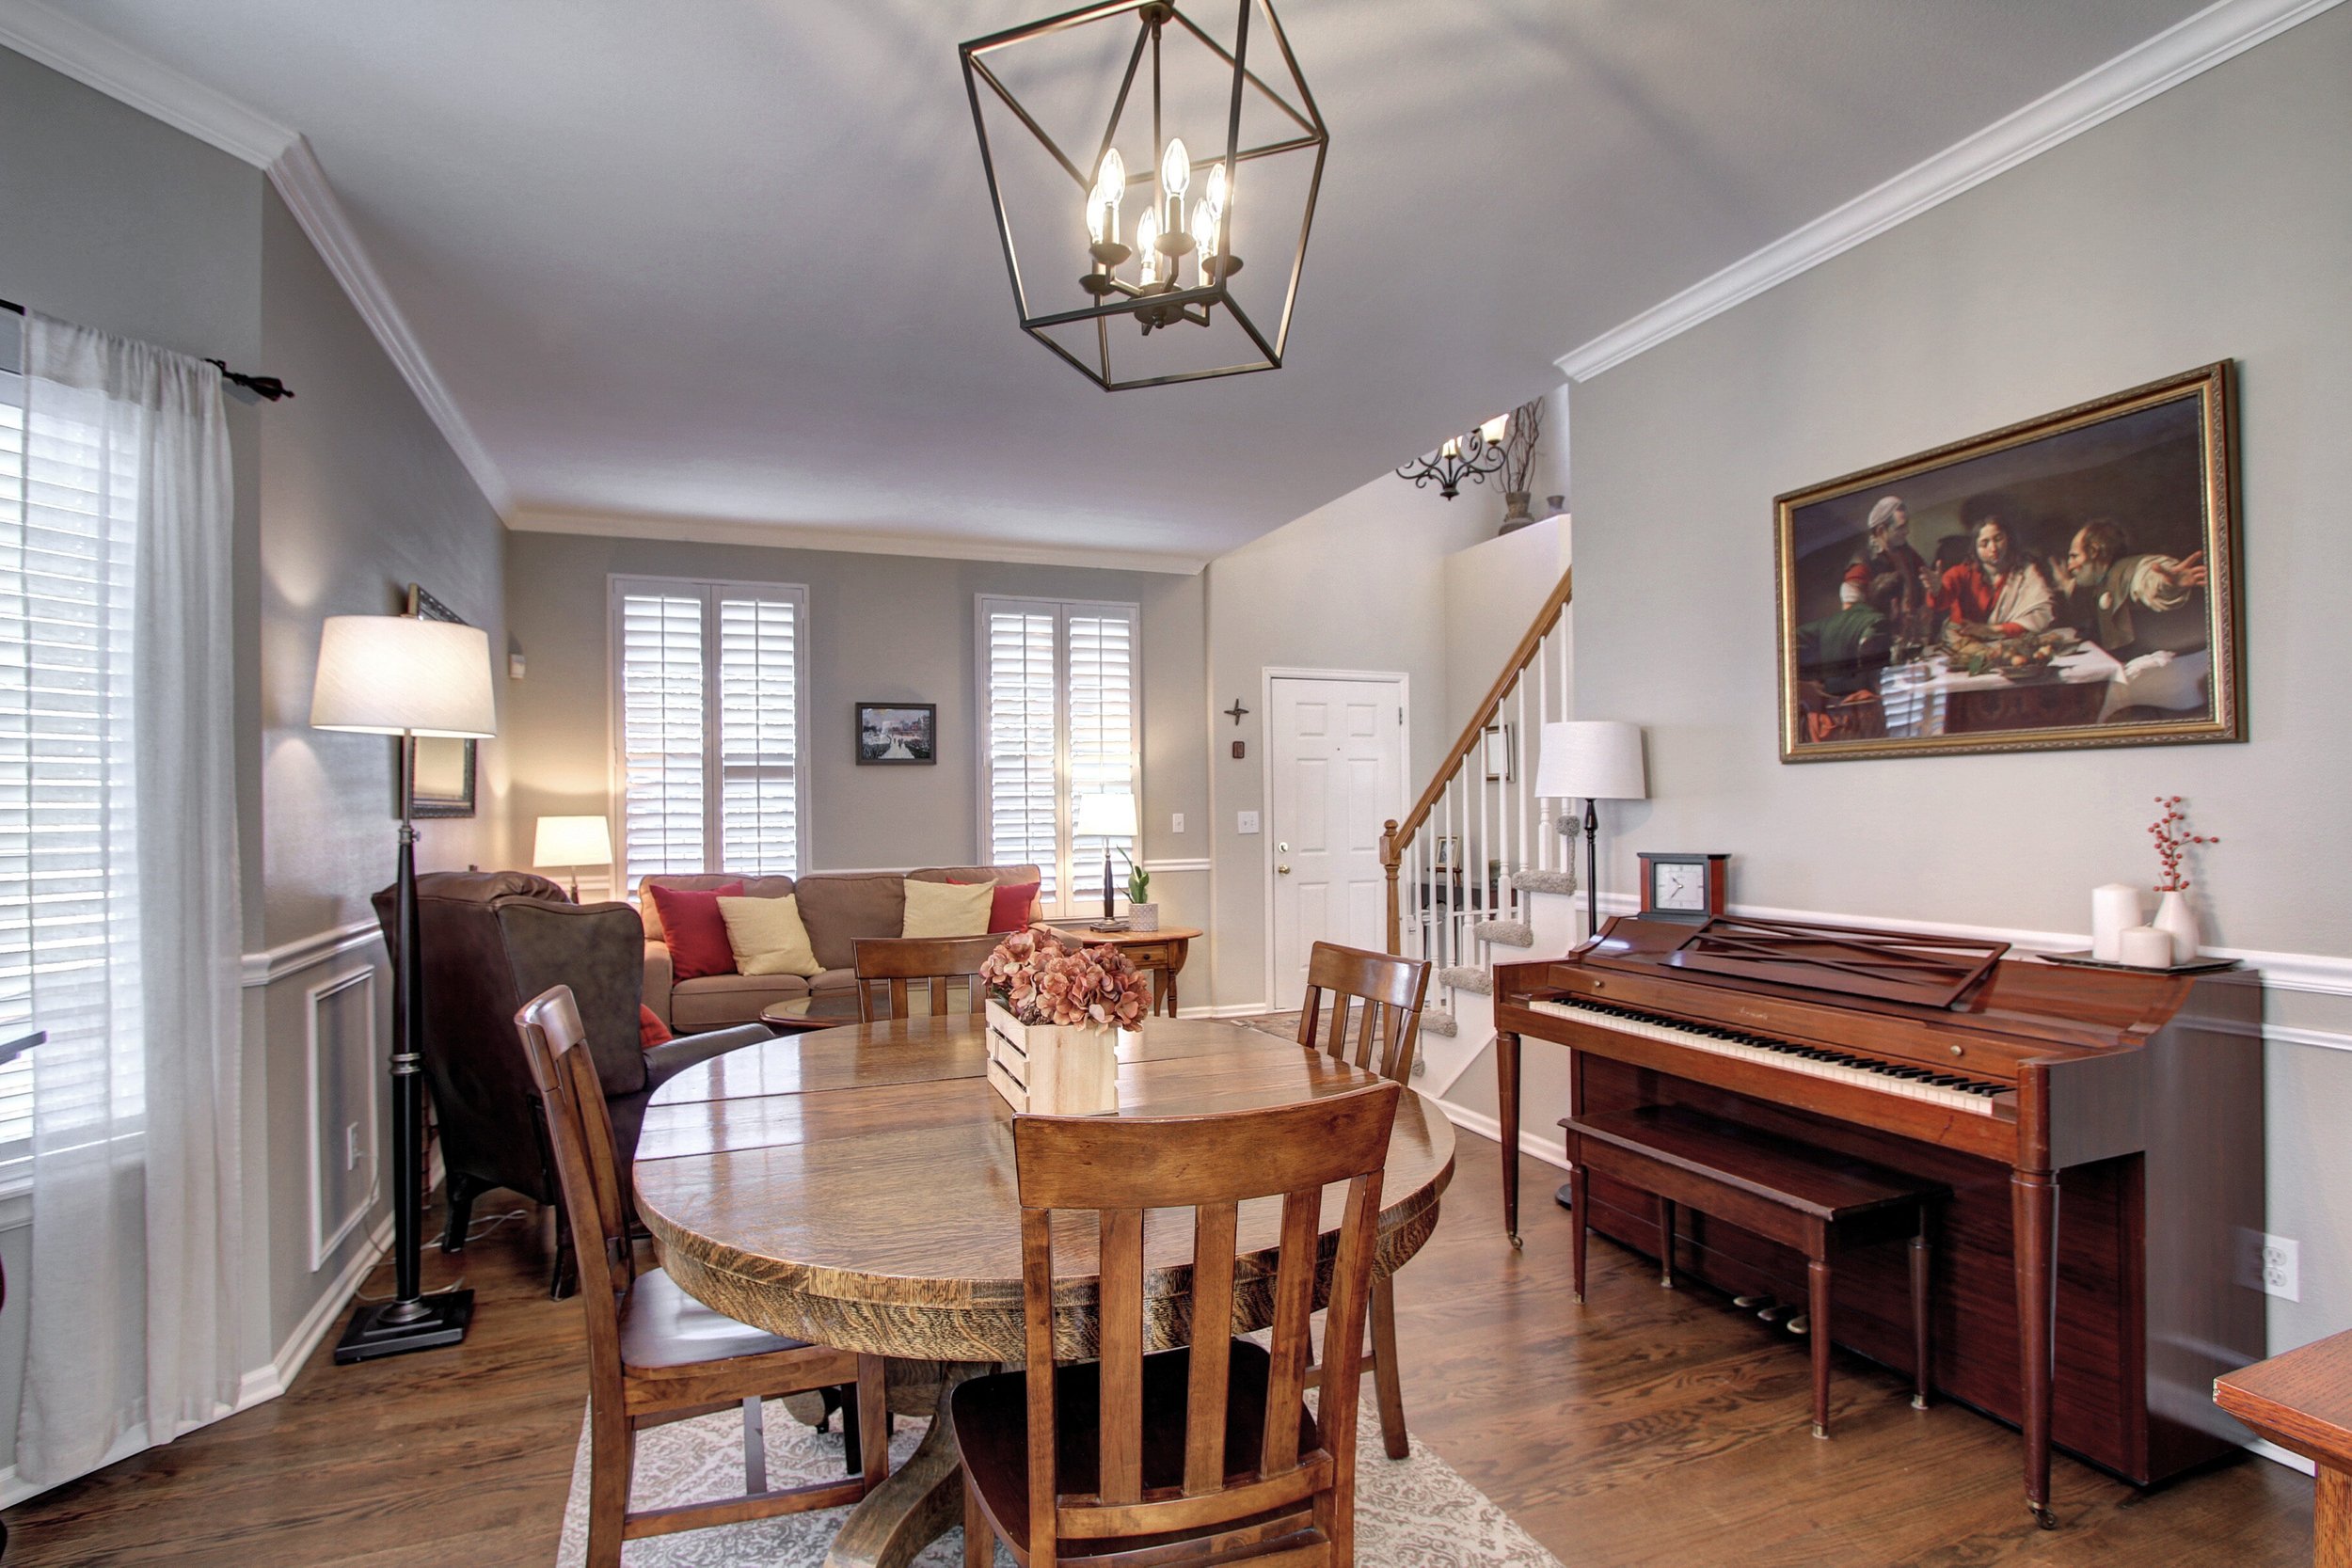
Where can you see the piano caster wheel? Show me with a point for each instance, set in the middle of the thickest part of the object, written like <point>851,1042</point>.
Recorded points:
<point>1665,1282</point>
<point>1919,1402</point>
<point>1819,1430</point>
<point>1798,1324</point>
<point>1516,1244</point>
<point>1577,1296</point>
<point>2042,1516</point>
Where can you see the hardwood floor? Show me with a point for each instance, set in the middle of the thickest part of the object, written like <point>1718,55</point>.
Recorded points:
<point>1649,1427</point>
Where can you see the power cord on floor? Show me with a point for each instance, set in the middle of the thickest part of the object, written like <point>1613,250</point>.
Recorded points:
<point>474,1233</point>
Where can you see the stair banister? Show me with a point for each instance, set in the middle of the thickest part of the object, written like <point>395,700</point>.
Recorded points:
<point>1395,837</point>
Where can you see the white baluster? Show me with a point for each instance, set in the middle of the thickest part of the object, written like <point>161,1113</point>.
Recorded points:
<point>1519,785</point>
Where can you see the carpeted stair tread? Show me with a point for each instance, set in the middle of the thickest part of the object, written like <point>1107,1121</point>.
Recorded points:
<point>1463,977</point>
<point>1436,1021</point>
<point>1504,933</point>
<point>1531,879</point>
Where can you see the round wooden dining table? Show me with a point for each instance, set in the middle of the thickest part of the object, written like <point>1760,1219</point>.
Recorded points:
<point>855,1187</point>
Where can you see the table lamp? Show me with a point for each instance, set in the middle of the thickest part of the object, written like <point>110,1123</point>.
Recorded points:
<point>1598,759</point>
<point>570,843</point>
<point>397,674</point>
<point>1107,816</point>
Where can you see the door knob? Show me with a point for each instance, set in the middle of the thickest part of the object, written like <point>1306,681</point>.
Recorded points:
<point>1282,870</point>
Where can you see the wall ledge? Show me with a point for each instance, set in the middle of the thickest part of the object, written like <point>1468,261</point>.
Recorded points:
<point>274,964</point>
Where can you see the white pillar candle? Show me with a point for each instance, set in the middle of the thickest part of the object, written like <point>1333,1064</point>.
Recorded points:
<point>2144,947</point>
<point>2114,910</point>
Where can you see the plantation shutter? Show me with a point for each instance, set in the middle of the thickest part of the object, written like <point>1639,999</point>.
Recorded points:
<point>1022,765</point>
<point>759,707</point>
<point>1101,729</point>
<point>1058,707</point>
<point>662,731</point>
<point>66,907</point>
<point>708,692</point>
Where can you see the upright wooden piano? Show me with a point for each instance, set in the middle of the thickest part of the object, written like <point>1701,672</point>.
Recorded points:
<point>2102,1133</point>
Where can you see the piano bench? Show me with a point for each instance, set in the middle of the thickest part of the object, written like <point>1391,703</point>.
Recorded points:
<point>1810,1199</point>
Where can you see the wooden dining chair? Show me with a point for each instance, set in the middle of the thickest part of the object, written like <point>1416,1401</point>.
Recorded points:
<point>897,961</point>
<point>1205,1453</point>
<point>654,1353</point>
<point>1391,990</point>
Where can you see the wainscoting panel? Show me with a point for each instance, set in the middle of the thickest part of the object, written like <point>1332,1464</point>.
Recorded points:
<point>342,1069</point>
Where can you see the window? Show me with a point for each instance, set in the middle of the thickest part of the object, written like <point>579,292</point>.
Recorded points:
<point>68,906</point>
<point>708,680</point>
<point>1058,720</point>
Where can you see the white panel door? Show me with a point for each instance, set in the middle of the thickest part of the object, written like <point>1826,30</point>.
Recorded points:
<point>1337,767</point>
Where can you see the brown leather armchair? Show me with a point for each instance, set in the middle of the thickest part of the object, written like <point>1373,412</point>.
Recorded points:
<point>490,941</point>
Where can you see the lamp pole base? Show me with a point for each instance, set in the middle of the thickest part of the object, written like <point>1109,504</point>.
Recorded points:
<point>397,1327</point>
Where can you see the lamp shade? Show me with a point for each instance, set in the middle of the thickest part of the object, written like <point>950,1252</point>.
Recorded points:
<point>1592,759</point>
<point>572,841</point>
<point>396,675</point>
<point>1105,816</point>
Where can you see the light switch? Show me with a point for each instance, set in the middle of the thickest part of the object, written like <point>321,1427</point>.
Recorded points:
<point>1246,822</point>
<point>1176,822</point>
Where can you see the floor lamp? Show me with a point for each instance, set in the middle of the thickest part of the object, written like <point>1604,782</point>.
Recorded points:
<point>400,675</point>
<point>1595,759</point>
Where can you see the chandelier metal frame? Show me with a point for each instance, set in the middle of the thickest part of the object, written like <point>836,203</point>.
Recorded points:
<point>1470,456</point>
<point>1154,305</point>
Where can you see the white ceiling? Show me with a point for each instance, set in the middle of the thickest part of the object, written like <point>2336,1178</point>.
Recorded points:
<point>732,260</point>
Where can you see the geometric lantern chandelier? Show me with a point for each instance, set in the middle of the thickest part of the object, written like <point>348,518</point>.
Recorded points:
<point>1128,264</point>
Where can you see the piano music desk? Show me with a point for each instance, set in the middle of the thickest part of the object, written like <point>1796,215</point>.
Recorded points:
<point>1808,1199</point>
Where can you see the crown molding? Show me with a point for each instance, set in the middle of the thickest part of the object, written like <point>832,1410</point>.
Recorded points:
<point>2189,47</point>
<point>92,58</point>
<point>303,185</point>
<point>800,537</point>
<point>96,60</point>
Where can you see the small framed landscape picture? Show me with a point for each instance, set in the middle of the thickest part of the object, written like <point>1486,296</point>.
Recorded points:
<point>897,733</point>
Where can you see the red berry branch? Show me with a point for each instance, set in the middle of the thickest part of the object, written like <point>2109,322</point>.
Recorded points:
<point>2172,841</point>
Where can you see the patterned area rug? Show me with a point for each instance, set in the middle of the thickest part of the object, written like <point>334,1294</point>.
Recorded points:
<point>1413,1513</point>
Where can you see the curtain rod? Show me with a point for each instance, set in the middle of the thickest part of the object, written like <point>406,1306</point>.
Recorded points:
<point>259,386</point>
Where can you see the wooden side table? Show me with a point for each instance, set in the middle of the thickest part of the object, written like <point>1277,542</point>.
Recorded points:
<point>1162,952</point>
<point>2302,1400</point>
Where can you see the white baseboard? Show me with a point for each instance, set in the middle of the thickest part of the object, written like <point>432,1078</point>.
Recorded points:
<point>2287,1457</point>
<point>1486,1127</point>
<point>263,1383</point>
<point>1238,1009</point>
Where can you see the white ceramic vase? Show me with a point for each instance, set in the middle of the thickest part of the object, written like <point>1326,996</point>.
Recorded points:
<point>2178,921</point>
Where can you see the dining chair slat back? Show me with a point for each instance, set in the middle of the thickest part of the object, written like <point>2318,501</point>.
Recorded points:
<point>1253,1468</point>
<point>1391,990</point>
<point>896,962</point>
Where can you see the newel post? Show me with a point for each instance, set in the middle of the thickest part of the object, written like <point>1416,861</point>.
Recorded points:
<point>1389,858</point>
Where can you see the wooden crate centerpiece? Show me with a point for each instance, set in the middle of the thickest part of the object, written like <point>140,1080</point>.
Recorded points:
<point>1057,1015</point>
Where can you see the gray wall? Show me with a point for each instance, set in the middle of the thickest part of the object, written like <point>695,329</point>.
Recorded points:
<point>882,627</point>
<point>1358,584</point>
<point>344,495</point>
<point>2208,223</point>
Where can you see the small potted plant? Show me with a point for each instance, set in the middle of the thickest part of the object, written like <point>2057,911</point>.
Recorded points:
<point>1057,1015</point>
<point>1142,914</point>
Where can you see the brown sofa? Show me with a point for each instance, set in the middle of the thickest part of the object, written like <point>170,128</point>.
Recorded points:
<point>837,907</point>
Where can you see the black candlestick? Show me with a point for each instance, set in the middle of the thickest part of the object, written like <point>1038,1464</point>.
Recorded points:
<point>411,1320</point>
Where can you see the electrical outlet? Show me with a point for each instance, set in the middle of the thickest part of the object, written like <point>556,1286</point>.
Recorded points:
<point>2281,1267</point>
<point>1176,822</point>
<point>350,1146</point>
<point>1246,822</point>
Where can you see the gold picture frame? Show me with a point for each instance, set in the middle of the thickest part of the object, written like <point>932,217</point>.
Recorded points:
<point>2079,586</point>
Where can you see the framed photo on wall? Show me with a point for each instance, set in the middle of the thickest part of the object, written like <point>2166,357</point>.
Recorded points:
<point>441,770</point>
<point>897,733</point>
<point>2072,581</point>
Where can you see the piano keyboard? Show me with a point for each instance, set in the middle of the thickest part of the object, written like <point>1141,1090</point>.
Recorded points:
<point>1881,1077</point>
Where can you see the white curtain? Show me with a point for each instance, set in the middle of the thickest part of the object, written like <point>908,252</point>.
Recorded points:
<point>117,822</point>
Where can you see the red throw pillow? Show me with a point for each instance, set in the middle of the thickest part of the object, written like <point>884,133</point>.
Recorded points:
<point>692,925</point>
<point>651,1031</point>
<point>1009,909</point>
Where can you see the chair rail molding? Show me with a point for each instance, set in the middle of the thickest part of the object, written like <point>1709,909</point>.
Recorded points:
<point>2189,47</point>
<point>268,967</point>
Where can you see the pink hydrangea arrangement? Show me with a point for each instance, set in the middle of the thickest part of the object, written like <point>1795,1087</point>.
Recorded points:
<point>1038,980</point>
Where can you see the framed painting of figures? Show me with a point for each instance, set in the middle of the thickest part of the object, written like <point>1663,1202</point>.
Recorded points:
<point>2069,581</point>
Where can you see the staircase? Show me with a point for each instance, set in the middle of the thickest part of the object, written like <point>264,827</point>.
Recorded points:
<point>1477,874</point>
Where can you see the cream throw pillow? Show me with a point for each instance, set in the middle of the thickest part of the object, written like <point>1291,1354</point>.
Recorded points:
<point>768,936</point>
<point>948,909</point>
